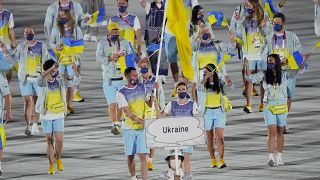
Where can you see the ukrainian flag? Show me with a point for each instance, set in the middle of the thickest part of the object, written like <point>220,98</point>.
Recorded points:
<point>2,137</point>
<point>178,26</point>
<point>271,10</point>
<point>317,44</point>
<point>98,16</point>
<point>53,54</point>
<point>217,19</point>
<point>223,58</point>
<point>154,47</point>
<point>239,40</point>
<point>73,46</point>
<point>295,60</point>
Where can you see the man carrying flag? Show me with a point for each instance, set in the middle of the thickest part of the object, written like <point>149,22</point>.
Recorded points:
<point>110,51</point>
<point>91,7</point>
<point>287,45</point>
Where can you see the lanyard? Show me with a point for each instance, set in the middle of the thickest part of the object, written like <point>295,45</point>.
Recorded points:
<point>276,40</point>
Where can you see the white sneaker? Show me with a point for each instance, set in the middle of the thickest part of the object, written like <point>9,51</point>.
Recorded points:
<point>34,129</point>
<point>93,38</point>
<point>28,131</point>
<point>134,178</point>
<point>86,37</point>
<point>271,161</point>
<point>163,79</point>
<point>1,171</point>
<point>279,160</point>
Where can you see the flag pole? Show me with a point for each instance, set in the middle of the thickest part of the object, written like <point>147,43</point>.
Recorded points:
<point>159,55</point>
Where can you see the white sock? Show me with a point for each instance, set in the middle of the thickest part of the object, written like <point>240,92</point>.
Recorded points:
<point>271,156</point>
<point>279,154</point>
<point>150,159</point>
<point>115,123</point>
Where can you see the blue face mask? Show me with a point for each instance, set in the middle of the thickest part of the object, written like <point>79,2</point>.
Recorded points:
<point>144,70</point>
<point>205,36</point>
<point>271,66</point>
<point>183,95</point>
<point>277,27</point>
<point>114,38</point>
<point>29,37</point>
<point>55,74</point>
<point>122,9</point>
<point>250,11</point>
<point>62,21</point>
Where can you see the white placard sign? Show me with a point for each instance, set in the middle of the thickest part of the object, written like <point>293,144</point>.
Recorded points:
<point>174,132</point>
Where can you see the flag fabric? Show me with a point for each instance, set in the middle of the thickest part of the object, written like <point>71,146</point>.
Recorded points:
<point>317,44</point>
<point>98,16</point>
<point>53,54</point>
<point>217,19</point>
<point>239,40</point>
<point>271,10</point>
<point>73,46</point>
<point>295,60</point>
<point>154,47</point>
<point>2,137</point>
<point>129,60</point>
<point>177,25</point>
<point>222,59</point>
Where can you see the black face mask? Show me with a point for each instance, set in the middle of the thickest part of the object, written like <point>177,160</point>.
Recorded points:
<point>134,82</point>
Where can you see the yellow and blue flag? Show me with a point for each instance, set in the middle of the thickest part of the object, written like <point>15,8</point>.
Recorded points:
<point>178,26</point>
<point>223,58</point>
<point>295,60</point>
<point>154,47</point>
<point>217,19</point>
<point>317,44</point>
<point>53,55</point>
<point>2,137</point>
<point>98,16</point>
<point>73,46</point>
<point>271,10</point>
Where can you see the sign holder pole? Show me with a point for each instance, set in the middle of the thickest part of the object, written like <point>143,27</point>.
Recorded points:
<point>176,160</point>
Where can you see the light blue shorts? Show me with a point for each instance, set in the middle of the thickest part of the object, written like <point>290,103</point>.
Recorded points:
<point>291,87</point>
<point>188,149</point>
<point>49,126</point>
<point>171,48</point>
<point>66,69</point>
<point>134,142</point>
<point>276,119</point>
<point>110,91</point>
<point>214,118</point>
<point>254,64</point>
<point>28,88</point>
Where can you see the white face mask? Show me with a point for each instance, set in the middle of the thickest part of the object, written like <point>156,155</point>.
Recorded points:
<point>173,163</point>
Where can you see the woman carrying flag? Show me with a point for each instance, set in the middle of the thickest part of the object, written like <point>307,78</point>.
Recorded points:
<point>66,31</point>
<point>252,30</point>
<point>210,94</point>
<point>206,48</point>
